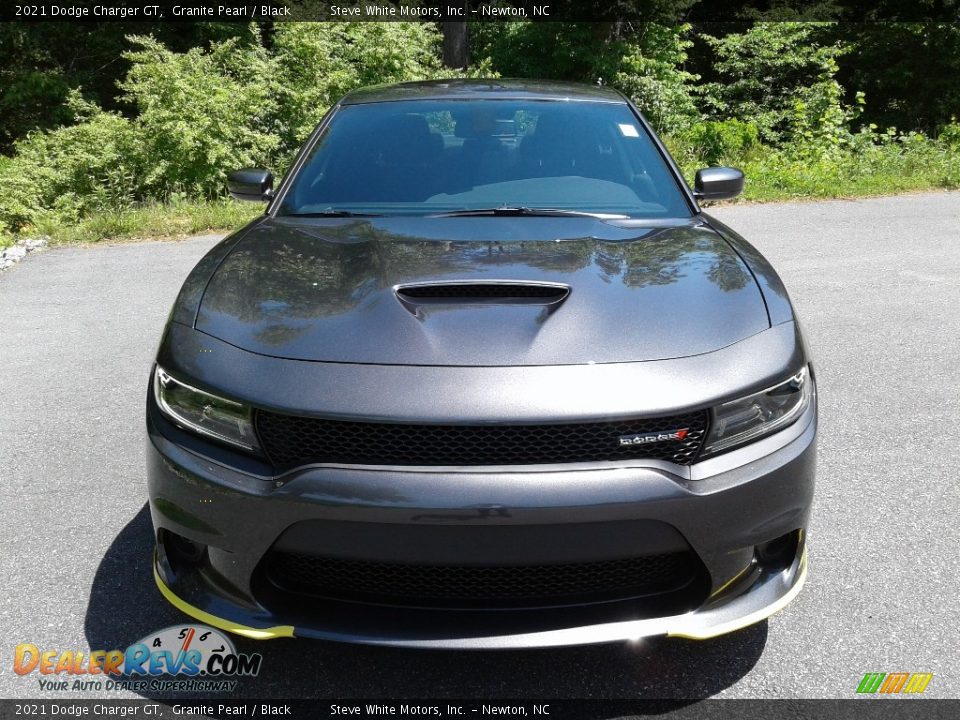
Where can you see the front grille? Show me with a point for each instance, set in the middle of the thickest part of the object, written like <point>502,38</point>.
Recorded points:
<point>468,585</point>
<point>290,441</point>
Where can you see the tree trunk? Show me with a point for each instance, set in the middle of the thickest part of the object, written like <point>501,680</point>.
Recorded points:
<point>456,50</point>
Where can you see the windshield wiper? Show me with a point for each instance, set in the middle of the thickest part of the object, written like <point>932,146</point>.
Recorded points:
<point>333,212</point>
<point>522,211</point>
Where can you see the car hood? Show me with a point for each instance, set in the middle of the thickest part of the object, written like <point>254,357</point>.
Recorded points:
<point>327,290</point>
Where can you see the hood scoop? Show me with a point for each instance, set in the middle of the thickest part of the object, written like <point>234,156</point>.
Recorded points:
<point>487,292</point>
<point>375,292</point>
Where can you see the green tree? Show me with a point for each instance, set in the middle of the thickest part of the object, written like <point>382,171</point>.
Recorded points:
<point>89,165</point>
<point>318,62</point>
<point>201,113</point>
<point>643,60</point>
<point>44,61</point>
<point>767,69</point>
<point>909,72</point>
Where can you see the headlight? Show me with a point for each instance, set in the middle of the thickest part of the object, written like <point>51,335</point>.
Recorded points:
<point>741,421</point>
<point>202,412</point>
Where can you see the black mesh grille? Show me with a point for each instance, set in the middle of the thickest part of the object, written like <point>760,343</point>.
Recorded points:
<point>449,585</point>
<point>493,291</point>
<point>291,440</point>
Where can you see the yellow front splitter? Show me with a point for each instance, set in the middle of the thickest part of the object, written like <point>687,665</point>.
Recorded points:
<point>269,633</point>
<point>763,613</point>
<point>707,632</point>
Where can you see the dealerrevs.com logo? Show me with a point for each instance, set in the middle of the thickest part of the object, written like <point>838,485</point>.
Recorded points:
<point>185,658</point>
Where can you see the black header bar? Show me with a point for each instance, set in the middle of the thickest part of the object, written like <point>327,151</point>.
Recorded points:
<point>662,11</point>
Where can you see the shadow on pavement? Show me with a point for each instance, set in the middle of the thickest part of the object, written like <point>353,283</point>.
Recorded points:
<point>125,606</point>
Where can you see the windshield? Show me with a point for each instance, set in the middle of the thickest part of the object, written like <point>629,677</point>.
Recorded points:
<point>425,157</point>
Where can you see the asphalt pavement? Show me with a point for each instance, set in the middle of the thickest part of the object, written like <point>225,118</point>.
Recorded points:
<point>876,284</point>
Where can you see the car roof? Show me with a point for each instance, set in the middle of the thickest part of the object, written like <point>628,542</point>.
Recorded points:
<point>480,89</point>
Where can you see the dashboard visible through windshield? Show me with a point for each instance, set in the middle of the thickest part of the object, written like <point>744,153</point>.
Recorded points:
<point>447,156</point>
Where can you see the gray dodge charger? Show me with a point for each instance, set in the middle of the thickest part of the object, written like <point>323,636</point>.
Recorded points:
<point>482,375</point>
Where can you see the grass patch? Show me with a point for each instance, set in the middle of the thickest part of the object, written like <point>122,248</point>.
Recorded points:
<point>854,178</point>
<point>155,220</point>
<point>776,175</point>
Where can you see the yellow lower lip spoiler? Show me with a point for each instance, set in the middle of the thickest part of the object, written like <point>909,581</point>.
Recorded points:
<point>222,623</point>
<point>755,617</point>
<point>278,631</point>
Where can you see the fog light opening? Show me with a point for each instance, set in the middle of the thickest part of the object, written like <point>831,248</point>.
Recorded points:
<point>780,552</point>
<point>181,551</point>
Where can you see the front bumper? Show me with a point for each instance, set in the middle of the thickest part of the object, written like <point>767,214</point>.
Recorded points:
<point>769,593</point>
<point>723,508</point>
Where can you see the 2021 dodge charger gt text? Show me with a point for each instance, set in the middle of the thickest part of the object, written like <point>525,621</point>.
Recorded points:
<point>482,376</point>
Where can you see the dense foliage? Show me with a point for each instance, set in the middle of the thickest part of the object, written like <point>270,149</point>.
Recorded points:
<point>192,116</point>
<point>105,124</point>
<point>647,63</point>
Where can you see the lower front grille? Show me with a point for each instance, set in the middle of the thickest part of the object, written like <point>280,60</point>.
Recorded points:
<point>480,586</point>
<point>291,441</point>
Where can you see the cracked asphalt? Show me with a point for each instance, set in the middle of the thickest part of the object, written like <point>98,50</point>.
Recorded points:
<point>876,284</point>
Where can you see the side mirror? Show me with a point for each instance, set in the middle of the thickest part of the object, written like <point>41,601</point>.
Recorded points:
<point>251,184</point>
<point>717,183</point>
